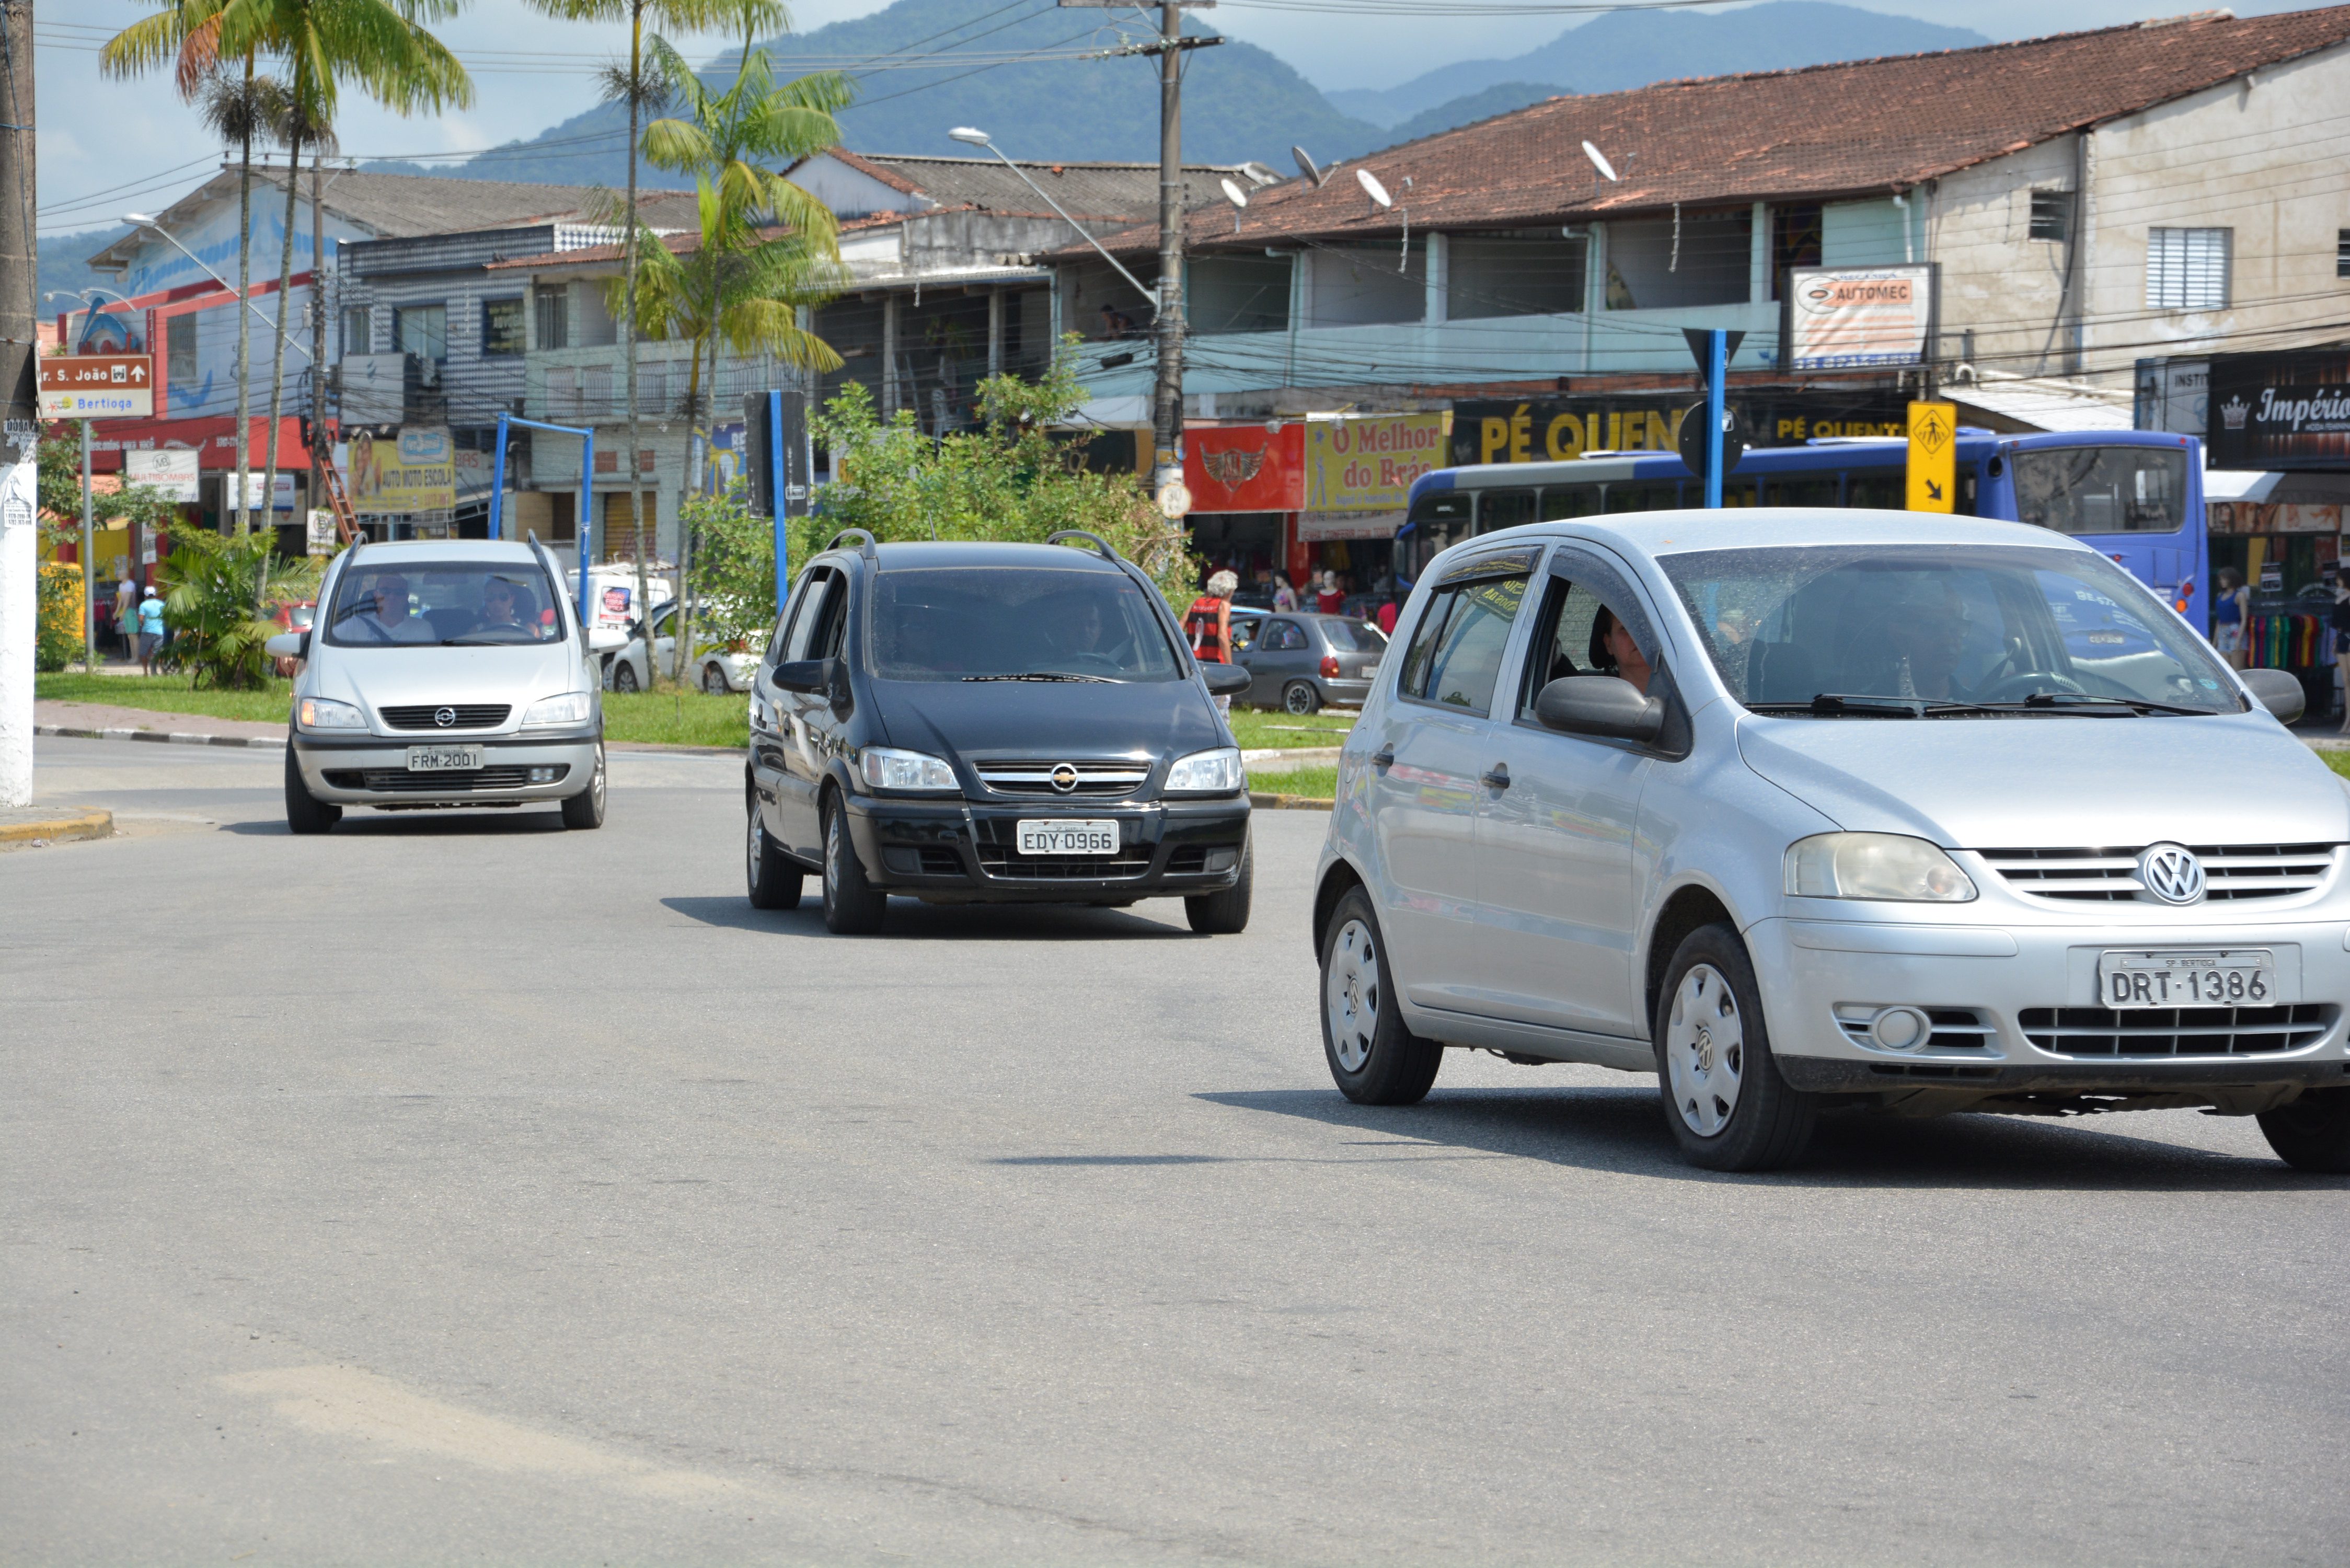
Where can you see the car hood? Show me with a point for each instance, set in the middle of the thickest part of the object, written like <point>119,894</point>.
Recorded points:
<point>385,677</point>
<point>2050,784</point>
<point>1053,719</point>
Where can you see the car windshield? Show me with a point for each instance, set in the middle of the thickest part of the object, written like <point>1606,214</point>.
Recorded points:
<point>1847,631</point>
<point>1013,623</point>
<point>430,604</point>
<point>1355,637</point>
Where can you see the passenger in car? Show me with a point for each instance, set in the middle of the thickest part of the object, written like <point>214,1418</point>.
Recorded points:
<point>1613,651</point>
<point>385,617</point>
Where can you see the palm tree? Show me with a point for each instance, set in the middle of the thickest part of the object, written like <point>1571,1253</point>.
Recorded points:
<point>646,90</point>
<point>763,249</point>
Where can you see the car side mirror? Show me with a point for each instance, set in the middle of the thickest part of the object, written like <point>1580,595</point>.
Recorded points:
<point>288,645</point>
<point>1226,680</point>
<point>2277,690</point>
<point>805,676</point>
<point>1602,705</point>
<point>837,691</point>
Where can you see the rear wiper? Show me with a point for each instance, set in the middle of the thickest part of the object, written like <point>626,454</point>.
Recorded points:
<point>1044,675</point>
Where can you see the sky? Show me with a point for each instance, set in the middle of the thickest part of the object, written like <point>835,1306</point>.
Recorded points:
<point>107,147</point>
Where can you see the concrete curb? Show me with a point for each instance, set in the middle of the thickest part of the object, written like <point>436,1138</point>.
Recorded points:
<point>72,732</point>
<point>1289,803</point>
<point>91,823</point>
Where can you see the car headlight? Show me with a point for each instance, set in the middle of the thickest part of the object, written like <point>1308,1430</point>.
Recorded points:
<point>885,767</point>
<point>571,708</point>
<point>1208,772</point>
<point>326,714</point>
<point>1875,866</point>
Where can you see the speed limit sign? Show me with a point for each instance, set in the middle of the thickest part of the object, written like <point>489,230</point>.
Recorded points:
<point>1174,499</point>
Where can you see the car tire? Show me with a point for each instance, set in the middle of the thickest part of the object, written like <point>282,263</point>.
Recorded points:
<point>305,813</point>
<point>1374,1058</point>
<point>1225,914</point>
<point>1723,1097</point>
<point>2312,1133</point>
<point>775,881</point>
<point>713,681</point>
<point>852,906</point>
<point>585,809</point>
<point>1300,698</point>
<point>624,676</point>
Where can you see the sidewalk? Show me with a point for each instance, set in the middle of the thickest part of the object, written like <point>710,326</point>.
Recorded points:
<point>104,722</point>
<point>21,825</point>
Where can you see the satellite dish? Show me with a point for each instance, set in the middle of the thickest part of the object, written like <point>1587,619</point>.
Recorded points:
<point>1599,161</point>
<point>1234,195</point>
<point>1372,189</point>
<point>1305,166</point>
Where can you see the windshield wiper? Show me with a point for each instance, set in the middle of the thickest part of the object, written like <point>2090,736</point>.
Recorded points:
<point>1044,675</point>
<point>2084,699</point>
<point>473,639</point>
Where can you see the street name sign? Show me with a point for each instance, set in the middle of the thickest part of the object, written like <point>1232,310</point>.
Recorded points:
<point>97,387</point>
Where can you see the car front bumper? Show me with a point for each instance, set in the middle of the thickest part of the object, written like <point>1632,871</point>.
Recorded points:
<point>372,769</point>
<point>2015,1008</point>
<point>964,851</point>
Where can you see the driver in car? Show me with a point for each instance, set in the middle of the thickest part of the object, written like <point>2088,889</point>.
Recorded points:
<point>1090,633</point>
<point>1921,638</point>
<point>498,609</point>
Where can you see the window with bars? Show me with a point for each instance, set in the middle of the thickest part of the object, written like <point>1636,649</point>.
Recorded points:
<point>359,330</point>
<point>2052,214</point>
<point>179,353</point>
<point>555,318</point>
<point>2187,269</point>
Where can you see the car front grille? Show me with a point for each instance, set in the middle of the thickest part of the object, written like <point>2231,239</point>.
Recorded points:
<point>2176,1031</point>
<point>400,781</point>
<point>1096,780</point>
<point>1002,860</point>
<point>2230,871</point>
<point>464,715</point>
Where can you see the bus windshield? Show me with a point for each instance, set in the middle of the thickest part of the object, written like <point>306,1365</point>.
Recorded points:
<point>2102,489</point>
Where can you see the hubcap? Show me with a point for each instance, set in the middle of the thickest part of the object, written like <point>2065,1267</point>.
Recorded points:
<point>1350,995</point>
<point>1705,1051</point>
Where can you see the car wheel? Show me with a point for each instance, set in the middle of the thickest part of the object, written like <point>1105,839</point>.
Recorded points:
<point>1224,914</point>
<point>714,680</point>
<point>1724,1099</point>
<point>305,813</point>
<point>1374,1058</point>
<point>2312,1133</point>
<point>585,809</point>
<point>775,882</point>
<point>1300,698</point>
<point>852,906</point>
<point>624,676</point>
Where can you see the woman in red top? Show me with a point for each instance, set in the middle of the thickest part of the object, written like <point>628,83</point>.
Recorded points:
<point>1209,622</point>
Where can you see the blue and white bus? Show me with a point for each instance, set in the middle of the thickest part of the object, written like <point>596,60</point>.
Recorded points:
<point>2136,496</point>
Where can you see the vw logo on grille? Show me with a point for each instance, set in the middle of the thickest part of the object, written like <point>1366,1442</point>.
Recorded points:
<point>445,717</point>
<point>2171,873</point>
<point>1064,778</point>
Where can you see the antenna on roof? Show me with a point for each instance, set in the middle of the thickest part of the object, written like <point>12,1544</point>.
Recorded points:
<point>1374,190</point>
<point>1306,166</point>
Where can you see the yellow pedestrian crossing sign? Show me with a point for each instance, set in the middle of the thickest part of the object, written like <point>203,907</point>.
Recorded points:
<point>1933,456</point>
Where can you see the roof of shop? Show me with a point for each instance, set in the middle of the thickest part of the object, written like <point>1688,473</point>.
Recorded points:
<point>1085,190</point>
<point>1844,130</point>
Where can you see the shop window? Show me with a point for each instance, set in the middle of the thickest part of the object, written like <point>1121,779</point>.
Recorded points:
<point>1529,272</point>
<point>502,327</point>
<point>2052,214</point>
<point>2187,269</point>
<point>358,329</point>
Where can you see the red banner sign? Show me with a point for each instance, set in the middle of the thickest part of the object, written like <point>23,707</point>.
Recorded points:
<point>1246,468</point>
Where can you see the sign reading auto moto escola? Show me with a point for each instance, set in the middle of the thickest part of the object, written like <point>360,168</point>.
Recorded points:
<point>1842,318</point>
<point>415,472</point>
<point>97,387</point>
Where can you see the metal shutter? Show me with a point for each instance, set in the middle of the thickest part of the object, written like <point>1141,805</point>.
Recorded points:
<point>2187,269</point>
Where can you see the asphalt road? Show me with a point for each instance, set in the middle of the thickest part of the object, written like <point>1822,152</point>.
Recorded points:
<point>457,1189</point>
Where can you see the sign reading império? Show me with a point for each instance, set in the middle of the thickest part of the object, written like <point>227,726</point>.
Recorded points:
<point>97,387</point>
<point>1366,463</point>
<point>1856,315</point>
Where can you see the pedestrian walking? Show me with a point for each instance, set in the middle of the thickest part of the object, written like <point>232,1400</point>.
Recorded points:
<point>151,630</point>
<point>126,615</point>
<point>2230,610</point>
<point>1388,613</point>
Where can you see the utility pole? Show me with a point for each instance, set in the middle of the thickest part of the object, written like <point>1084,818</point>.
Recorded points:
<point>19,475</point>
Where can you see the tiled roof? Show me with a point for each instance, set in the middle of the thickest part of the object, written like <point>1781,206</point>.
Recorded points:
<point>1087,189</point>
<point>1822,131</point>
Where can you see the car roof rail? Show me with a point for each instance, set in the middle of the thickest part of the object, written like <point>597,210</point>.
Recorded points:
<point>1097,542</point>
<point>864,546</point>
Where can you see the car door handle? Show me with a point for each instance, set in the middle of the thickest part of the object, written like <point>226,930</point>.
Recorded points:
<point>1384,757</point>
<point>1499,778</point>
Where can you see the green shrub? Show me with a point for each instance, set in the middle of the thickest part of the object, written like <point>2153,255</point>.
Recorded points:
<point>214,584</point>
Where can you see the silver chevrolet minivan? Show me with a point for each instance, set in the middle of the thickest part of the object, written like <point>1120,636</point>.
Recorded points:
<point>1811,810</point>
<point>444,672</point>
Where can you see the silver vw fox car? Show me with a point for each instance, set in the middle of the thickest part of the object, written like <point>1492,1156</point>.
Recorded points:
<point>444,672</point>
<point>1807,810</point>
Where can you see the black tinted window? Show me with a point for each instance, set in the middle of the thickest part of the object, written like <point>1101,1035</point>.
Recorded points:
<point>977,622</point>
<point>1456,653</point>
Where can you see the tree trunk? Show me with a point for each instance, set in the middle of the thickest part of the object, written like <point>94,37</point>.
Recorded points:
<point>243,295</point>
<point>640,499</point>
<point>684,645</point>
<point>277,333</point>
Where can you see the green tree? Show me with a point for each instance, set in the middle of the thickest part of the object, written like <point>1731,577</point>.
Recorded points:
<point>763,248</point>
<point>1008,480</point>
<point>734,570</point>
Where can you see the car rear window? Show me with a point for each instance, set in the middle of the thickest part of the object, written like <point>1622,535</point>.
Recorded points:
<point>1355,637</point>
<point>979,623</point>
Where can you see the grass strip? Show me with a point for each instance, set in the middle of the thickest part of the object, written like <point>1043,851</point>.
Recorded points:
<point>1316,783</point>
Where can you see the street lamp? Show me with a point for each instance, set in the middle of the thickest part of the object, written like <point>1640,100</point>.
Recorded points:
<point>964,133</point>
<point>141,221</point>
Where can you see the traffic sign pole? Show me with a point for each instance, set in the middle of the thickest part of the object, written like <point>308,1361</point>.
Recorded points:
<point>89,577</point>
<point>1717,366</point>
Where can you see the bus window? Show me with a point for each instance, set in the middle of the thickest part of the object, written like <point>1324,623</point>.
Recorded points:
<point>2102,489</point>
<point>1805,489</point>
<point>1440,519</point>
<point>1884,488</point>
<point>1969,486</point>
<point>1503,509</point>
<point>1734,493</point>
<point>1559,500</point>
<point>1643,497</point>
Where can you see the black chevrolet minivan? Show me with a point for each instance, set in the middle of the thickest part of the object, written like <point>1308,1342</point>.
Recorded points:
<point>991,724</point>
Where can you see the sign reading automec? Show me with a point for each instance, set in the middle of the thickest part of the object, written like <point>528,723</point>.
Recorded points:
<point>97,387</point>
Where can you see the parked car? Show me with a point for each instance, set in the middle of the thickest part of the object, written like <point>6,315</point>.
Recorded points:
<point>294,616</point>
<point>447,673</point>
<point>717,671</point>
<point>990,723</point>
<point>1811,809</point>
<point>1304,661</point>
